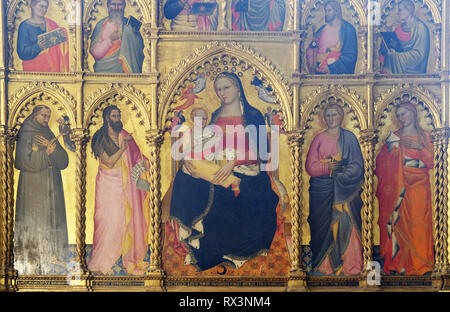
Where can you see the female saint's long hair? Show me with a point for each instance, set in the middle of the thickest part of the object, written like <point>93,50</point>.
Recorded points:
<point>421,133</point>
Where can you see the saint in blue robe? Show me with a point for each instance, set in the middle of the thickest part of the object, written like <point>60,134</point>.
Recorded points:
<point>349,50</point>
<point>327,191</point>
<point>27,40</point>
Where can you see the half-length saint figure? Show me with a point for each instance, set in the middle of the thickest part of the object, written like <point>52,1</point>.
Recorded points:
<point>121,208</point>
<point>404,196</point>
<point>405,50</point>
<point>40,234</point>
<point>41,44</point>
<point>258,15</point>
<point>334,47</point>
<point>116,43</point>
<point>336,167</point>
<point>191,15</point>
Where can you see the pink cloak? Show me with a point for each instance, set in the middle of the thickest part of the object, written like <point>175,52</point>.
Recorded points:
<point>121,216</point>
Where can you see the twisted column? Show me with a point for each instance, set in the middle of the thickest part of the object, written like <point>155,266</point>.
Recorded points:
<point>73,61</point>
<point>222,24</point>
<point>437,32</point>
<point>80,138</point>
<point>296,275</point>
<point>293,15</point>
<point>155,140</point>
<point>440,198</point>
<point>86,34</point>
<point>4,211</point>
<point>11,141</point>
<point>366,40</point>
<point>147,34</point>
<point>368,140</point>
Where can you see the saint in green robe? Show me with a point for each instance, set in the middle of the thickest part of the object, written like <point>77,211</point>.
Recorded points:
<point>415,50</point>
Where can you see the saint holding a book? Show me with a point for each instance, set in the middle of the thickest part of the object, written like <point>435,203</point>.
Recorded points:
<point>405,50</point>
<point>41,43</point>
<point>191,15</point>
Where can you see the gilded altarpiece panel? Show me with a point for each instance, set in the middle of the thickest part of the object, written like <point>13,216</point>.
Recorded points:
<point>113,37</point>
<point>44,204</point>
<point>117,206</point>
<point>334,38</point>
<point>41,37</point>
<point>407,40</point>
<point>193,233</point>
<point>333,213</point>
<point>122,120</point>
<point>407,123</point>
<point>236,15</point>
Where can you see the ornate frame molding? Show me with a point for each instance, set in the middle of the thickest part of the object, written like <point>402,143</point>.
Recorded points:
<point>429,99</point>
<point>150,99</point>
<point>25,95</point>
<point>134,97</point>
<point>352,98</point>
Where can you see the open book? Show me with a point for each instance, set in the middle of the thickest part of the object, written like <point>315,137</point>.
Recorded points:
<point>391,41</point>
<point>53,37</point>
